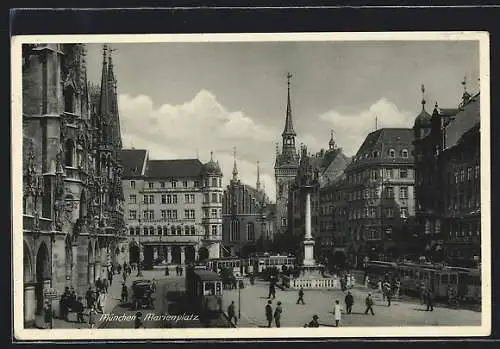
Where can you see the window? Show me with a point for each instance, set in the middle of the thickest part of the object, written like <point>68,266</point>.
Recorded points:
<point>205,212</point>
<point>137,231</point>
<point>186,198</point>
<point>206,198</point>
<point>404,154</point>
<point>214,197</point>
<point>374,174</point>
<point>172,230</point>
<point>193,230</point>
<point>163,214</point>
<point>389,212</point>
<point>162,184</point>
<point>283,222</point>
<point>187,229</point>
<point>191,214</point>
<point>390,173</point>
<point>403,193</point>
<point>185,184</point>
<point>169,199</point>
<point>163,198</point>
<point>469,173</point>
<point>476,171</point>
<point>174,199</point>
<point>220,183</point>
<point>389,192</point>
<point>376,154</point>
<point>462,175</point>
<point>403,173</point>
<point>214,182</point>
<point>132,184</point>
<point>146,199</point>
<point>159,230</point>
<point>174,184</point>
<point>214,229</point>
<point>145,231</point>
<point>373,212</point>
<point>213,213</point>
<point>186,214</point>
<point>392,153</point>
<point>250,231</point>
<point>196,184</point>
<point>150,185</point>
<point>179,230</point>
<point>132,199</point>
<point>132,215</point>
<point>69,148</point>
<point>174,214</point>
<point>404,212</point>
<point>165,231</point>
<point>220,197</point>
<point>151,199</point>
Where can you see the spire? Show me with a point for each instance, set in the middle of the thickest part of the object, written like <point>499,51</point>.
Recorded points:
<point>423,97</point>
<point>235,169</point>
<point>288,122</point>
<point>332,141</point>
<point>277,149</point>
<point>258,177</point>
<point>103,101</point>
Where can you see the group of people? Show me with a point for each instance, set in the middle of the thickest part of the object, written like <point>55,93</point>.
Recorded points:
<point>276,315</point>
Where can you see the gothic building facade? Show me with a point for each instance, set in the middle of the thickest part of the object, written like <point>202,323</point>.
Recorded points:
<point>72,199</point>
<point>247,217</point>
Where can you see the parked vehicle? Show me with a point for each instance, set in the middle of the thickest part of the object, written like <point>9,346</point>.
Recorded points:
<point>142,294</point>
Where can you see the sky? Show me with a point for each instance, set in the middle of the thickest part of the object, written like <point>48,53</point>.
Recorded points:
<point>182,100</point>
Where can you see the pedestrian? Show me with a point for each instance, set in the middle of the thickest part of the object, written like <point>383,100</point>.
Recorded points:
<point>100,300</point>
<point>429,301</point>
<point>337,312</point>
<point>153,285</point>
<point>181,269</point>
<point>177,270</point>
<point>167,272</point>
<point>231,313</point>
<point>314,322</point>
<point>105,285</point>
<point>138,320</point>
<point>79,310</point>
<point>124,295</point>
<point>98,284</point>
<point>92,317</point>
<point>88,297</point>
<point>349,301</point>
<point>124,275</point>
<point>277,314</point>
<point>369,304</point>
<point>47,315</point>
<point>301,296</point>
<point>269,313</point>
<point>110,277</point>
<point>388,295</point>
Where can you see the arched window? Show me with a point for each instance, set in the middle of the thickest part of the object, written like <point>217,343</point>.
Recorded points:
<point>68,153</point>
<point>404,154</point>
<point>131,231</point>
<point>69,100</point>
<point>179,230</point>
<point>172,230</point>
<point>165,231</point>
<point>392,153</point>
<point>193,230</point>
<point>159,230</point>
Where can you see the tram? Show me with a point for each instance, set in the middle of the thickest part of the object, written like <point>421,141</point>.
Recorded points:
<point>378,270</point>
<point>237,265</point>
<point>204,291</point>
<point>261,263</point>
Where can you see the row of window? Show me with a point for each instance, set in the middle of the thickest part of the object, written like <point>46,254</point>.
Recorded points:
<point>235,231</point>
<point>374,212</point>
<point>173,184</point>
<point>374,174</point>
<point>172,230</point>
<point>149,215</point>
<point>172,198</point>
<point>463,174</point>
<point>372,193</point>
<point>391,153</point>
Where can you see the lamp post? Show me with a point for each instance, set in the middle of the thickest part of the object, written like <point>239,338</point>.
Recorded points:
<point>239,301</point>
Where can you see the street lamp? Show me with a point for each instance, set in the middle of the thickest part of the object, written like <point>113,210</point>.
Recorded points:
<point>239,301</point>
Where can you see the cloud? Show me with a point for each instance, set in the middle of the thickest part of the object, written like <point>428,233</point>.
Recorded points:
<point>351,130</point>
<point>198,126</point>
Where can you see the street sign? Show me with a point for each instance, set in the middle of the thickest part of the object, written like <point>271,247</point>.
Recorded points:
<point>50,293</point>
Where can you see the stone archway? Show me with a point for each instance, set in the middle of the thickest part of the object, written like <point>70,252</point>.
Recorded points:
<point>189,253</point>
<point>42,274</point>
<point>134,252</point>
<point>203,254</point>
<point>27,264</point>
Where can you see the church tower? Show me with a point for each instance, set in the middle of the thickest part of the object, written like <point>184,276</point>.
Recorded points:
<point>286,165</point>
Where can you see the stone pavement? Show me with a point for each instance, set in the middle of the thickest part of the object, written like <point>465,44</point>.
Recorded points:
<point>320,302</point>
<point>113,298</point>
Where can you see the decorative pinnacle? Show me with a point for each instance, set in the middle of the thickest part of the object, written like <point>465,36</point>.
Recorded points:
<point>423,96</point>
<point>288,77</point>
<point>464,83</point>
<point>104,52</point>
<point>211,155</point>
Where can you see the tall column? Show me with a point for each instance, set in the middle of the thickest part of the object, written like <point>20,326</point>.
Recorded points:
<point>91,274</point>
<point>308,235</point>
<point>168,254</point>
<point>155,252</point>
<point>183,255</point>
<point>74,267</point>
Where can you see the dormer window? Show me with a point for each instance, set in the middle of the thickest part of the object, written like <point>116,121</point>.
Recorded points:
<point>376,154</point>
<point>392,153</point>
<point>404,154</point>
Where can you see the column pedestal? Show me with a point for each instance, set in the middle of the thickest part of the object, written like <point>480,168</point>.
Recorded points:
<point>29,304</point>
<point>183,256</point>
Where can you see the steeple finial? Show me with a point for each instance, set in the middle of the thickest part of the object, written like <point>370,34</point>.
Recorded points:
<point>423,96</point>
<point>331,144</point>
<point>211,155</point>
<point>376,122</point>
<point>464,84</point>
<point>235,168</point>
<point>258,177</point>
<point>288,131</point>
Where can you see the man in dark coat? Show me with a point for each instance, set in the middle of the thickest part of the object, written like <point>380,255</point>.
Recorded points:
<point>79,310</point>
<point>277,314</point>
<point>369,304</point>
<point>269,313</point>
<point>349,301</point>
<point>301,296</point>
<point>231,313</point>
<point>429,301</point>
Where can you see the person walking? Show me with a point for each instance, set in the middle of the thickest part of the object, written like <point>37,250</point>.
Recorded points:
<point>100,300</point>
<point>92,317</point>
<point>88,297</point>
<point>349,301</point>
<point>429,301</point>
<point>388,296</point>
<point>369,304</point>
<point>105,285</point>
<point>337,312</point>
<point>277,314</point>
<point>269,313</point>
<point>79,311</point>
<point>231,313</point>
<point>301,296</point>
<point>124,295</point>
<point>314,322</point>
<point>153,285</point>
